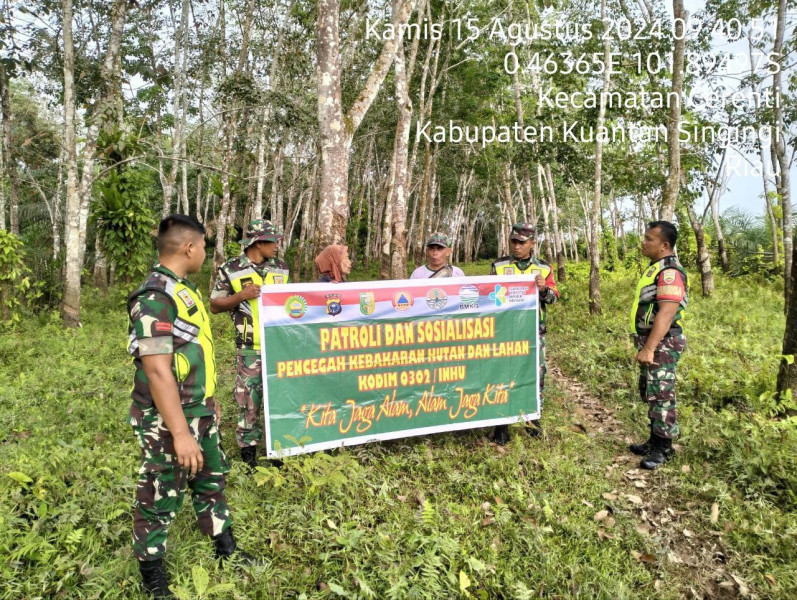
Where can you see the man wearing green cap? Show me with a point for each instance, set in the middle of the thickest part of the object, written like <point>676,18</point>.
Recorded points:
<point>438,251</point>
<point>523,262</point>
<point>236,291</point>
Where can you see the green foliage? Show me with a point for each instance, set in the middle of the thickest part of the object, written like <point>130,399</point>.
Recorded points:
<point>734,430</point>
<point>125,221</point>
<point>16,285</point>
<point>748,239</point>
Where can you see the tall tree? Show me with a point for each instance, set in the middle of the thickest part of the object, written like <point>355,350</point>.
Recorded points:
<point>673,183</point>
<point>594,246</point>
<point>78,196</point>
<point>336,129</point>
<point>780,159</point>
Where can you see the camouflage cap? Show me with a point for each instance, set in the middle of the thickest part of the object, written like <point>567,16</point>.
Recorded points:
<point>522,232</point>
<point>260,231</point>
<point>439,239</point>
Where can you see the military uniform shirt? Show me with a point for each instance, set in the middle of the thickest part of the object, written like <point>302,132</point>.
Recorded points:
<point>241,315</point>
<point>152,314</point>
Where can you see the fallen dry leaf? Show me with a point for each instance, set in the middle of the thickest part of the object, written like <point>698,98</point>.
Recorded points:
<point>401,498</point>
<point>744,591</point>
<point>488,521</point>
<point>609,522</point>
<point>500,449</point>
<point>498,500</point>
<point>633,499</point>
<point>647,558</point>
<point>644,529</point>
<point>587,503</point>
<point>601,515</point>
<point>715,512</point>
<point>673,558</point>
<point>770,579</point>
<point>579,428</point>
<point>686,469</point>
<point>640,484</point>
<point>486,506</point>
<point>608,496</point>
<point>603,535</point>
<point>688,533</point>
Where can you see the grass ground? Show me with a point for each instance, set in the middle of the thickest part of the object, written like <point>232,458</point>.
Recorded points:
<point>442,516</point>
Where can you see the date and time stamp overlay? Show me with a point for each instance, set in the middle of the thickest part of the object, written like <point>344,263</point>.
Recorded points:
<point>544,54</point>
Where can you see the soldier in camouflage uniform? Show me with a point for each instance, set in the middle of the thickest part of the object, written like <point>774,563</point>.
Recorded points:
<point>523,262</point>
<point>173,413</point>
<point>438,251</point>
<point>656,324</point>
<point>237,291</point>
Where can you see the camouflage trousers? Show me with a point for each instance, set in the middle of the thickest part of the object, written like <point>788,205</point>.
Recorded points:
<point>248,394</point>
<point>161,484</point>
<point>657,384</point>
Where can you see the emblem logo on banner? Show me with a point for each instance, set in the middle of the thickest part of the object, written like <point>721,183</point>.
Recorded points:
<point>499,295</point>
<point>333,304</point>
<point>469,296</point>
<point>296,307</point>
<point>367,303</point>
<point>402,301</point>
<point>436,298</point>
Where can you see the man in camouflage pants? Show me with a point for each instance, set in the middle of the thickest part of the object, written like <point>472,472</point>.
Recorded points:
<point>522,240</point>
<point>656,324</point>
<point>173,413</point>
<point>237,290</point>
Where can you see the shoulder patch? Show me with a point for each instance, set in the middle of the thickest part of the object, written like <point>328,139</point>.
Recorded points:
<point>185,296</point>
<point>162,326</point>
<point>668,276</point>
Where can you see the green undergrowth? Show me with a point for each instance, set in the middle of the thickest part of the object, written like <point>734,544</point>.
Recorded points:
<point>740,442</point>
<point>441,516</point>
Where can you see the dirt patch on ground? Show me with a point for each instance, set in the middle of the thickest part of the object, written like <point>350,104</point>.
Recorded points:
<point>683,551</point>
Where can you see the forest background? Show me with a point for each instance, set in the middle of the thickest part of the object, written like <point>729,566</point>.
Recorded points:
<point>307,113</point>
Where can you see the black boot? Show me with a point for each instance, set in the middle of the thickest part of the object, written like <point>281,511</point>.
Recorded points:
<point>156,583</point>
<point>646,447</point>
<point>660,453</point>
<point>534,428</point>
<point>227,547</point>
<point>249,456</point>
<point>501,435</point>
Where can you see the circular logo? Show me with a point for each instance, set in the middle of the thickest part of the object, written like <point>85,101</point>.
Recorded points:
<point>469,296</point>
<point>296,307</point>
<point>402,301</point>
<point>436,298</point>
